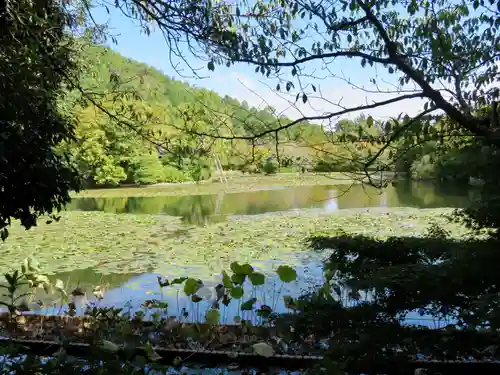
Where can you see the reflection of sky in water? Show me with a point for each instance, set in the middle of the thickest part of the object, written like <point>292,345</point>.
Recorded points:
<point>202,209</point>
<point>208,208</point>
<point>145,287</point>
<point>332,203</point>
<point>133,292</point>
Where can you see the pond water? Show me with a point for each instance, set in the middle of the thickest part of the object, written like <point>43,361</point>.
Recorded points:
<point>201,209</point>
<point>132,289</point>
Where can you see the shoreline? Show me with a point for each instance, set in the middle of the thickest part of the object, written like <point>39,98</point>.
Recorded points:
<point>235,184</point>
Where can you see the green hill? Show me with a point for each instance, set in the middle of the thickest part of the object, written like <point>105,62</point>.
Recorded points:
<point>129,97</point>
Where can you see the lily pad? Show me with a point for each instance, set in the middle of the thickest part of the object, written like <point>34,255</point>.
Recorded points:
<point>286,274</point>
<point>226,280</point>
<point>212,317</point>
<point>248,305</point>
<point>237,292</point>
<point>191,286</point>
<point>257,278</point>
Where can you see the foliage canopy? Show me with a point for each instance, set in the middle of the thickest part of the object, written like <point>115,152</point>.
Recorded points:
<point>35,60</point>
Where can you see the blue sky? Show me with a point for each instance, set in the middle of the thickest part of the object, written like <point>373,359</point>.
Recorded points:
<point>241,82</point>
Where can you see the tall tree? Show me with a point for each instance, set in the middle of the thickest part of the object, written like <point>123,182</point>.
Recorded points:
<point>35,60</point>
<point>447,50</point>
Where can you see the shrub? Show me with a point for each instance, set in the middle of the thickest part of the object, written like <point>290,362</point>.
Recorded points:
<point>173,174</point>
<point>200,171</point>
<point>270,166</point>
<point>148,170</point>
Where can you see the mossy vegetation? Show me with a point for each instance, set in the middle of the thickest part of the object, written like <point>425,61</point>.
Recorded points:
<point>143,243</point>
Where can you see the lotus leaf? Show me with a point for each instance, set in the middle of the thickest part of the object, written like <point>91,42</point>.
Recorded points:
<point>257,278</point>
<point>286,273</point>
<point>212,317</point>
<point>226,280</point>
<point>191,286</point>
<point>248,305</point>
<point>237,292</point>
<point>238,279</point>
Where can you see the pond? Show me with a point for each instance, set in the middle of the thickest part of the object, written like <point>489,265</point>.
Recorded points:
<point>201,209</point>
<point>125,244</point>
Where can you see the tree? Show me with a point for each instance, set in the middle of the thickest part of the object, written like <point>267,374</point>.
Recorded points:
<point>445,52</point>
<point>36,59</point>
<point>425,43</point>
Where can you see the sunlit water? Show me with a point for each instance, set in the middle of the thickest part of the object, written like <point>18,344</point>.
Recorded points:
<point>203,209</point>
<point>131,290</point>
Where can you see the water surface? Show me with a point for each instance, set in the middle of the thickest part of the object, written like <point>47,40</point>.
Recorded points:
<point>200,209</point>
<point>132,289</point>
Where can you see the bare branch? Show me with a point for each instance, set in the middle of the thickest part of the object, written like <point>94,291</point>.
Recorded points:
<point>319,117</point>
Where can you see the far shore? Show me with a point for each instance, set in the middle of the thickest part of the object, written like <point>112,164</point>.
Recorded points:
<point>236,183</point>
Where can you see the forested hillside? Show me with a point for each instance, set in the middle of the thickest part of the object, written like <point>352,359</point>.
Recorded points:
<point>141,126</point>
<point>137,125</point>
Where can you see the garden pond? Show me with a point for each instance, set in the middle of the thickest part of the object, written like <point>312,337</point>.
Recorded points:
<point>125,244</point>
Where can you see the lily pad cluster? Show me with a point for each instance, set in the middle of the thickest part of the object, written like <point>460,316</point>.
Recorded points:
<point>231,288</point>
<point>134,244</point>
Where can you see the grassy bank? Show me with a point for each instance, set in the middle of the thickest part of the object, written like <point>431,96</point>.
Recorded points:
<point>236,183</point>
<point>138,243</point>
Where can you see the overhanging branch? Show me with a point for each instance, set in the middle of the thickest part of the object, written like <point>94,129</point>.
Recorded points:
<point>313,118</point>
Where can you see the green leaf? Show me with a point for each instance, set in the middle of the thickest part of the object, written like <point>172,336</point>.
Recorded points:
<point>391,70</point>
<point>211,66</point>
<point>388,127</point>
<point>246,269</point>
<point>191,286</point>
<point>286,274</point>
<point>314,88</point>
<point>257,278</point>
<point>369,121</point>
<point>236,268</point>
<point>304,98</point>
<point>212,317</point>
<point>237,292</point>
<point>238,278</point>
<point>226,280</point>
<point>248,305</point>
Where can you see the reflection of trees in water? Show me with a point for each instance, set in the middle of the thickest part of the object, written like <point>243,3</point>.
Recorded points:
<point>112,205</point>
<point>409,194</point>
<point>90,277</point>
<point>200,209</point>
<point>357,196</point>
<point>197,208</point>
<point>427,195</point>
